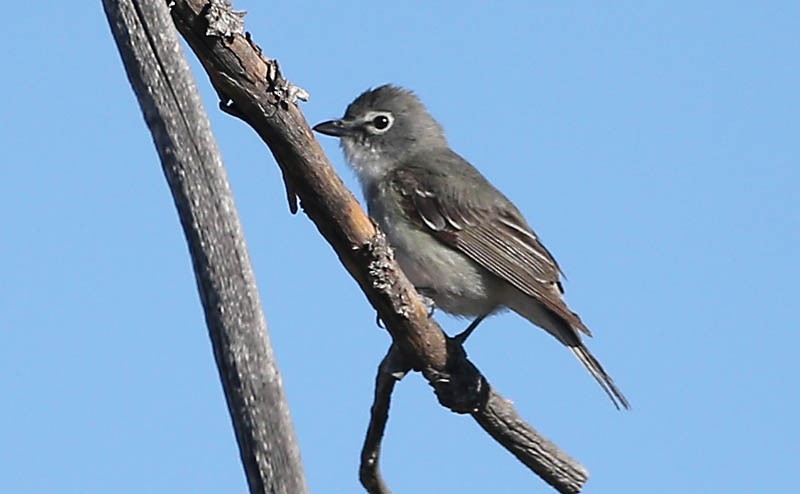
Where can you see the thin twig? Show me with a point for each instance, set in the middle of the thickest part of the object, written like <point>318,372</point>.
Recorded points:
<point>392,369</point>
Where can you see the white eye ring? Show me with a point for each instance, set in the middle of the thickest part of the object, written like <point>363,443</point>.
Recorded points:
<point>379,122</point>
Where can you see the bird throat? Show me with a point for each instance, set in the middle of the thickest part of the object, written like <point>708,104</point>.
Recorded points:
<point>369,164</point>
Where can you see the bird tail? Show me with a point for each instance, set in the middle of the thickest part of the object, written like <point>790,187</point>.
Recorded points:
<point>600,375</point>
<point>565,331</point>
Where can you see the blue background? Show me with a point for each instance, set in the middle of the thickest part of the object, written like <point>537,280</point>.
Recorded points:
<point>653,145</point>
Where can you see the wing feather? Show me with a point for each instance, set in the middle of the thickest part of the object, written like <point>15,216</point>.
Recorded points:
<point>494,235</point>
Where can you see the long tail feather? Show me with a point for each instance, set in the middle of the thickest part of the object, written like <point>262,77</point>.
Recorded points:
<point>600,375</point>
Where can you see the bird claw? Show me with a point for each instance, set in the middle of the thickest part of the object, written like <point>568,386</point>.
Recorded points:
<point>430,305</point>
<point>428,302</point>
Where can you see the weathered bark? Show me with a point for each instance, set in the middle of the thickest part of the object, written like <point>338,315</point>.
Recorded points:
<point>163,84</point>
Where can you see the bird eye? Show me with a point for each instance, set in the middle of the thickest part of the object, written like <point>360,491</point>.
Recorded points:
<point>378,122</point>
<point>381,122</point>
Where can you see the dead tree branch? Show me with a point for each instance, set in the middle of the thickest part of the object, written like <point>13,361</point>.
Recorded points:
<point>393,367</point>
<point>192,164</point>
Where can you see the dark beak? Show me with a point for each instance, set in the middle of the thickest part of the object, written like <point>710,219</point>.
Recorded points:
<point>336,128</point>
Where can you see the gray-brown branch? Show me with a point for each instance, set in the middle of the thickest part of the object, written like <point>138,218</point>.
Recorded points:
<point>392,368</point>
<point>252,88</point>
<point>163,84</point>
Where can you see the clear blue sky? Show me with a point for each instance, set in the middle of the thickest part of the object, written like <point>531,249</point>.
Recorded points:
<point>653,145</point>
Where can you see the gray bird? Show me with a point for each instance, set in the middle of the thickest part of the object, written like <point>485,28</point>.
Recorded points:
<point>459,240</point>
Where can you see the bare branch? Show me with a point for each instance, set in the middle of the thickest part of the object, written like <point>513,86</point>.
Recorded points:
<point>393,367</point>
<point>193,167</point>
<point>499,418</point>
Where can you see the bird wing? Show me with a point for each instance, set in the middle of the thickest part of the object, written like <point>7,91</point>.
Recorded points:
<point>491,232</point>
<point>488,229</point>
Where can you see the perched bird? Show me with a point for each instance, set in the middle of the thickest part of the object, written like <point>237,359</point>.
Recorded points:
<point>459,240</point>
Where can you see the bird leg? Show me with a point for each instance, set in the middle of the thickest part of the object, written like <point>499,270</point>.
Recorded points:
<point>461,337</point>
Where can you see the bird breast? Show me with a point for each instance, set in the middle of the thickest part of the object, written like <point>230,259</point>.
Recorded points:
<point>456,283</point>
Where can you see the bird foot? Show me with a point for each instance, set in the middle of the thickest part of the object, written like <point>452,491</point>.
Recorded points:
<point>430,305</point>
<point>428,302</point>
